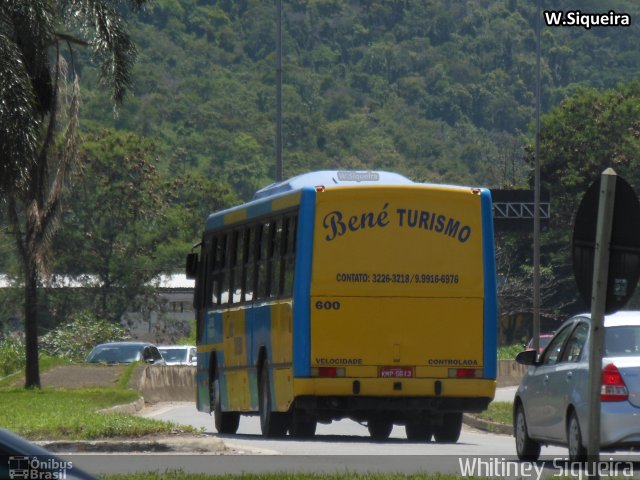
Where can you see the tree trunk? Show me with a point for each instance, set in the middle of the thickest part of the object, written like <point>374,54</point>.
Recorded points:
<point>32,376</point>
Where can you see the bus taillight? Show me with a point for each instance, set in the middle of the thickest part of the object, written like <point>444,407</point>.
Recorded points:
<point>329,372</point>
<point>465,372</point>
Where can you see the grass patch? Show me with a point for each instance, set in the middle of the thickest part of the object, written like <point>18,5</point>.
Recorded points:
<point>11,379</point>
<point>71,414</point>
<point>125,377</point>
<point>498,412</point>
<point>46,363</point>
<point>180,475</point>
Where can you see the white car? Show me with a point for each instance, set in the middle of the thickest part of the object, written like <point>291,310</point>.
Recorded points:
<point>551,404</point>
<point>178,354</point>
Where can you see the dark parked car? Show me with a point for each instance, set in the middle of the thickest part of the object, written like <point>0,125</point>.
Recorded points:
<point>551,403</point>
<point>125,352</point>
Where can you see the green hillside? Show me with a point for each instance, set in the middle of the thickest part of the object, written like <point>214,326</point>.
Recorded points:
<point>441,91</point>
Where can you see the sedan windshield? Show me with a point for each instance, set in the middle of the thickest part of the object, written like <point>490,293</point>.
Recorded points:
<point>116,354</point>
<point>622,341</point>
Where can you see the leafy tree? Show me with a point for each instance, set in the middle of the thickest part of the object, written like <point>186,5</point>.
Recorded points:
<point>127,222</point>
<point>585,134</point>
<point>116,214</point>
<point>40,115</point>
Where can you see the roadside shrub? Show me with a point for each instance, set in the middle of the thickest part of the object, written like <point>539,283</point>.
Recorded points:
<point>75,339</point>
<point>191,338</point>
<point>11,354</point>
<point>509,352</point>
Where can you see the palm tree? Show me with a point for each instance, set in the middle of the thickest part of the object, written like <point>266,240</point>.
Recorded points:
<point>39,110</point>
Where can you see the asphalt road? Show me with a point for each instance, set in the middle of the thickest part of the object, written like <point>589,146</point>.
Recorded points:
<point>343,437</point>
<point>343,446</point>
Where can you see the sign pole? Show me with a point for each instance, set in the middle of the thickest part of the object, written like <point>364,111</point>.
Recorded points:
<point>598,303</point>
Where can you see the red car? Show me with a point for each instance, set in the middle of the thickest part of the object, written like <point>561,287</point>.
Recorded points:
<point>545,338</point>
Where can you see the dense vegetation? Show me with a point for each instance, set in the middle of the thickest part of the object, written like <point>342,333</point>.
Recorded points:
<point>440,91</point>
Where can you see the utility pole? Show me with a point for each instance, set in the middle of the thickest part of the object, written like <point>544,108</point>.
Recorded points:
<point>536,198</point>
<point>279,172</point>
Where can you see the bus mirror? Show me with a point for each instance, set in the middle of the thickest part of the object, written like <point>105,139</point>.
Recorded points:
<point>192,265</point>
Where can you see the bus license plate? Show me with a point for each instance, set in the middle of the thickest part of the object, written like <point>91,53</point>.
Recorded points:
<point>396,372</point>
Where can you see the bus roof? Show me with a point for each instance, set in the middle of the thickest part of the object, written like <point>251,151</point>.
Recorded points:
<point>284,193</point>
<point>330,178</point>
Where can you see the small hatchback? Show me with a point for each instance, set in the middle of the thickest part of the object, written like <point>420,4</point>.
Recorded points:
<point>551,403</point>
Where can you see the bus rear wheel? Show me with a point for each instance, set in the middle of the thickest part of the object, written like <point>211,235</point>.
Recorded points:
<point>302,426</point>
<point>225,422</point>
<point>272,424</point>
<point>449,431</point>
<point>379,429</point>
<point>418,431</point>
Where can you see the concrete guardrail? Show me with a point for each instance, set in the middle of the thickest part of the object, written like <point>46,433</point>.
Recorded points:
<point>164,383</point>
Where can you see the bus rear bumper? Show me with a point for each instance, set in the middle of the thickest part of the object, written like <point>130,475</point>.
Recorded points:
<point>396,410</point>
<point>412,405</point>
<point>439,390</point>
<point>394,399</point>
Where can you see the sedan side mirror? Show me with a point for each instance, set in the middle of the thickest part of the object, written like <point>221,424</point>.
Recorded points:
<point>528,357</point>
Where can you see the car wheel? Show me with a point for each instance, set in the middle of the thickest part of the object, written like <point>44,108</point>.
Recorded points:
<point>418,431</point>
<point>225,422</point>
<point>379,428</point>
<point>577,452</point>
<point>449,431</point>
<point>272,424</point>
<point>526,448</point>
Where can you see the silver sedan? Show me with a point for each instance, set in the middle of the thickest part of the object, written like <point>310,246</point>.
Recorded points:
<point>551,403</point>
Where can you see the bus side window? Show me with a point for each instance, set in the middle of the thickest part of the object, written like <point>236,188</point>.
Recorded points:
<point>263,259</point>
<point>212,284</point>
<point>289,255</point>
<point>235,262</point>
<point>202,297</point>
<point>225,294</point>
<point>201,292</point>
<point>218,269</point>
<point>249,264</point>
<point>274,259</point>
<point>283,253</point>
<point>243,253</point>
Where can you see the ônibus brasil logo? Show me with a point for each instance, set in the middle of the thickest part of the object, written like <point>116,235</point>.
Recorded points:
<point>23,467</point>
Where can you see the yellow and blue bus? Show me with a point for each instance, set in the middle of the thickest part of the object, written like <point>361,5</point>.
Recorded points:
<point>343,294</point>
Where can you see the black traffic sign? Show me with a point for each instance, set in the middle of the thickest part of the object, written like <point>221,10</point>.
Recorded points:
<point>624,259</point>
